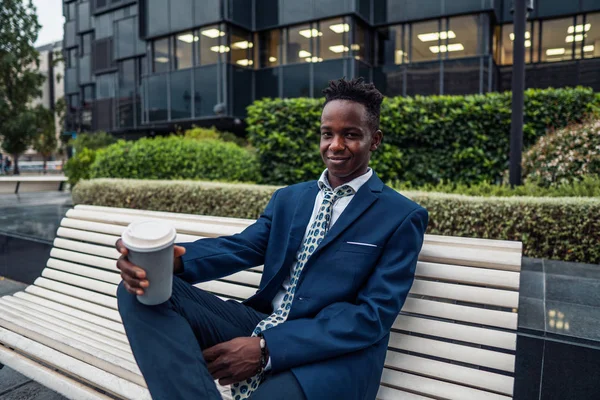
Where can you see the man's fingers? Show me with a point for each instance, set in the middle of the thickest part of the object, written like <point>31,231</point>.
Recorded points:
<point>121,248</point>
<point>128,268</point>
<point>212,353</point>
<point>179,251</point>
<point>132,290</point>
<point>227,381</point>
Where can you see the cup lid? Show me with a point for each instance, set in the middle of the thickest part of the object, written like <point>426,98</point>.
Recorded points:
<point>148,235</point>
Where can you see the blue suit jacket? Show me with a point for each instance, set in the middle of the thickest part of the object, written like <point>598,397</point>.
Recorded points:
<point>336,335</point>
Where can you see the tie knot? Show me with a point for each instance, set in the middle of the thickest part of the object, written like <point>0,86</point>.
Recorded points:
<point>333,195</point>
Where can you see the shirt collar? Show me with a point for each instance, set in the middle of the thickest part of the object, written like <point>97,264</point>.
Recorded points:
<point>355,183</point>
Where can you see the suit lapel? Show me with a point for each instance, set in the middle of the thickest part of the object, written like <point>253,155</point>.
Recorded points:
<point>362,200</point>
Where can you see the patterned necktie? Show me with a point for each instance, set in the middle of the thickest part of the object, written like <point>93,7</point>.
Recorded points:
<point>318,229</point>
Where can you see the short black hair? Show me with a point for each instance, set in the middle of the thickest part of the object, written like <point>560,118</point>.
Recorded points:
<point>359,91</point>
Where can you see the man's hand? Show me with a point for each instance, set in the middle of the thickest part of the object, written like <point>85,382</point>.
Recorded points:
<point>134,277</point>
<point>235,360</point>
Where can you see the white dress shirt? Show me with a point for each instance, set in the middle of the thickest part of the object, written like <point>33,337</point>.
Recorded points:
<point>338,208</point>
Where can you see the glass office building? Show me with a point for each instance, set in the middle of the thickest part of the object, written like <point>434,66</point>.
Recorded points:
<point>150,66</point>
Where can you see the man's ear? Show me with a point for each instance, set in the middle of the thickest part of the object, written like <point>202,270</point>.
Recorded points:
<point>376,140</point>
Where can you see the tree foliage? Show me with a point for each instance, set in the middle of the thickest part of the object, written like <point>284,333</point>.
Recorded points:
<point>20,80</point>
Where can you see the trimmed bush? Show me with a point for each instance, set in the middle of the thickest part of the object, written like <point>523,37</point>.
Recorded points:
<point>587,186</point>
<point>92,141</point>
<point>441,138</point>
<point>176,158</point>
<point>553,228</point>
<point>565,155</point>
<point>200,133</point>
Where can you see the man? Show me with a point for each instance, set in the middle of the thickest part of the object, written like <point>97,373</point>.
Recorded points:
<point>339,258</point>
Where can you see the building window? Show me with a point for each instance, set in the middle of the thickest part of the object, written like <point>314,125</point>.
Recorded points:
<point>270,48</point>
<point>361,46</point>
<point>105,86</point>
<point>462,37</point>
<point>212,42</point>
<point>183,48</point>
<point>506,38</point>
<point>126,78</point>
<point>300,44</point>
<point>160,55</point>
<point>427,41</point>
<point>70,11</point>
<point>591,44</point>
<point>242,48</point>
<point>332,39</point>
<point>559,37</point>
<point>71,57</point>
<point>393,45</point>
<point>86,44</point>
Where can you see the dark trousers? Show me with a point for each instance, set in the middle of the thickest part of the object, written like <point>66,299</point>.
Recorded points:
<point>167,341</point>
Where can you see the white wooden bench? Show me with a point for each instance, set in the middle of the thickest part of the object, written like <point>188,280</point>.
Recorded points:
<point>454,339</point>
<point>16,184</point>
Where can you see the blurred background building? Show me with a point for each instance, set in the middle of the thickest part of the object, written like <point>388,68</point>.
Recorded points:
<point>146,66</point>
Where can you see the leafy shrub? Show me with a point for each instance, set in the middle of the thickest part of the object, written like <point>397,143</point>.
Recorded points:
<point>78,166</point>
<point>564,155</point>
<point>92,141</point>
<point>176,158</point>
<point>199,133</point>
<point>554,228</point>
<point>441,138</point>
<point>587,186</point>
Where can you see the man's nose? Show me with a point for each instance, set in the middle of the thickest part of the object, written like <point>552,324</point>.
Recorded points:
<point>337,144</point>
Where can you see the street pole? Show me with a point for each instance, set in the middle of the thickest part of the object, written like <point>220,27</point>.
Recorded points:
<point>520,8</point>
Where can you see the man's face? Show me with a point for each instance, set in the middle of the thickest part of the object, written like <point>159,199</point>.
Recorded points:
<point>347,140</point>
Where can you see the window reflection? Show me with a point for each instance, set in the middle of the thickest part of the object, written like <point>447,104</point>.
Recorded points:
<point>591,45</point>
<point>333,39</point>
<point>183,43</point>
<point>160,55</point>
<point>361,46</point>
<point>506,40</point>
<point>212,42</point>
<point>558,38</point>
<point>299,46</point>
<point>270,46</point>
<point>242,48</point>
<point>426,41</point>
<point>463,33</point>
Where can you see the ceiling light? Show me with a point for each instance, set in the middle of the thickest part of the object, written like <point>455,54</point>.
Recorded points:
<point>340,48</point>
<point>528,43</point>
<point>220,49</point>
<point>188,38</point>
<point>556,52</point>
<point>303,54</point>
<point>577,38</point>
<point>244,62</point>
<point>430,37</point>
<point>527,36</point>
<point>242,45</point>
<point>355,47</point>
<point>398,57</point>
<point>212,33</point>
<point>161,59</point>
<point>444,48</point>
<point>579,28</point>
<point>589,47</point>
<point>308,33</point>
<point>339,28</point>
<point>314,59</point>
<point>272,59</point>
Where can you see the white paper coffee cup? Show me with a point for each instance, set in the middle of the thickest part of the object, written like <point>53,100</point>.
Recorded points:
<point>150,245</point>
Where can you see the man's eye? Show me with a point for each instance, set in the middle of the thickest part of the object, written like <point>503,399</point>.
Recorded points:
<point>325,134</point>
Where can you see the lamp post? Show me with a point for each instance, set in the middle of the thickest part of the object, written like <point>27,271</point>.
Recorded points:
<point>520,9</point>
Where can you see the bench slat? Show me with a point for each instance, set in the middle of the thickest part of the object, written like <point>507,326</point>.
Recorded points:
<point>101,299</point>
<point>470,294</point>
<point>450,372</point>
<point>500,319</point>
<point>468,275</point>
<point>81,282</point>
<point>97,376</point>
<point>74,302</point>
<point>80,247</point>
<point>88,272</point>
<point>87,259</point>
<point>435,388</point>
<point>388,393</point>
<point>455,331</point>
<point>35,296</point>
<point>451,351</point>
<point>66,328</point>
<point>99,328</point>
<point>79,350</point>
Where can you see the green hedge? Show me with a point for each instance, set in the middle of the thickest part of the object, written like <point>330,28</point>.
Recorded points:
<point>554,228</point>
<point>441,138</point>
<point>176,158</point>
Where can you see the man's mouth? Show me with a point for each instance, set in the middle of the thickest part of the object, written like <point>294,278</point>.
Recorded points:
<point>338,160</point>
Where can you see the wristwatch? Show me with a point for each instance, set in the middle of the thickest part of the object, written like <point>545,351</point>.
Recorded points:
<point>263,353</point>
